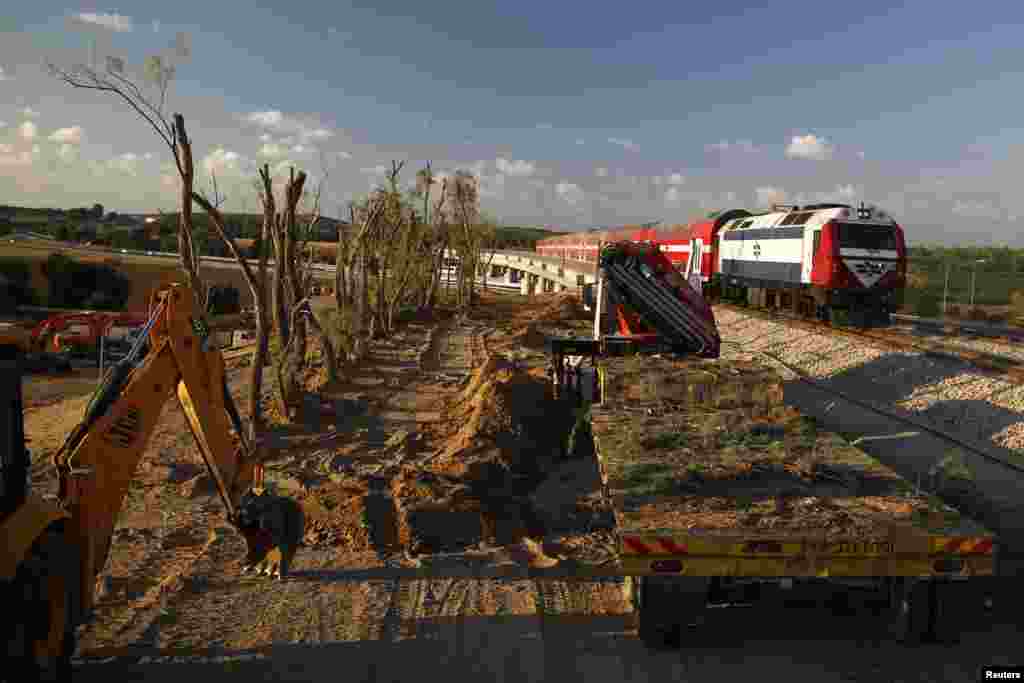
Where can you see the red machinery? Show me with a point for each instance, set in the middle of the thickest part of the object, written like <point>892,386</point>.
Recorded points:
<point>65,330</point>
<point>643,304</point>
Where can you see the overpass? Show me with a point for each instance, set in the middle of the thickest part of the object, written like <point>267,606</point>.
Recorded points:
<point>528,270</point>
<point>535,273</point>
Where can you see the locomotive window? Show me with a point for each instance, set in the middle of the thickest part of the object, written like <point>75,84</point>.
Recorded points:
<point>797,218</point>
<point>878,237</point>
<point>817,241</point>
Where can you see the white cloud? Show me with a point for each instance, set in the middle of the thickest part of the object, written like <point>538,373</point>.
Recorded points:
<point>270,119</point>
<point>27,130</point>
<point>223,162</point>
<point>147,156</point>
<point>272,150</point>
<point>67,153</point>
<point>318,134</point>
<point>126,163</point>
<point>731,146</point>
<point>673,195</point>
<point>266,137</point>
<point>580,141</point>
<point>344,155</point>
<point>29,113</point>
<point>3,124</point>
<point>569,192</point>
<point>156,26</point>
<point>8,157</point>
<point>675,179</point>
<point>114,22</point>
<point>841,193</point>
<point>518,168</point>
<point>300,149</point>
<point>977,209</point>
<point>282,124</point>
<point>627,144</point>
<point>601,172</point>
<point>766,196</point>
<point>71,135</point>
<point>809,147</point>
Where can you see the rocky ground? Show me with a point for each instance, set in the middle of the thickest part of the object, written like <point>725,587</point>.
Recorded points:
<point>950,395</point>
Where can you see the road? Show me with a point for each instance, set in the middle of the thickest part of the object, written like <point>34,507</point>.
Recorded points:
<point>800,644</point>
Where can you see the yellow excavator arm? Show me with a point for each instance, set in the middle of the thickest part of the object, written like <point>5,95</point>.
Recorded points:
<point>65,546</point>
<point>99,458</point>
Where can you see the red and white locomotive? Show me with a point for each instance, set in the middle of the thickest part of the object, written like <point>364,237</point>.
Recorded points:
<point>818,260</point>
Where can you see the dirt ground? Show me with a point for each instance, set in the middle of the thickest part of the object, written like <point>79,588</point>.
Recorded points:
<point>441,504</point>
<point>429,466</point>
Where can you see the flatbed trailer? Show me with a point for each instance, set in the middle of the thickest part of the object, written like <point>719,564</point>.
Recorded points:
<point>718,488</point>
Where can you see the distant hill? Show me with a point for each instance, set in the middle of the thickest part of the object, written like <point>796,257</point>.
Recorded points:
<point>511,236</point>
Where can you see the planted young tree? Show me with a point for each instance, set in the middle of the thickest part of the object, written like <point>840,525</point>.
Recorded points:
<point>291,285</point>
<point>468,238</point>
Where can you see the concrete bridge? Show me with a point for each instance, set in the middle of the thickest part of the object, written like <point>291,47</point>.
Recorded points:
<point>537,274</point>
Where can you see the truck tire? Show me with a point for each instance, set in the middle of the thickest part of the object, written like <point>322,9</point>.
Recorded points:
<point>928,611</point>
<point>667,605</point>
<point>35,611</point>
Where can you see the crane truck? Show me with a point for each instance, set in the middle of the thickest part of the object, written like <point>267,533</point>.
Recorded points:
<point>54,548</point>
<point>722,494</point>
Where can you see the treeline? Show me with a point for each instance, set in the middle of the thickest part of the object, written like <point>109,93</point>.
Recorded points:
<point>92,225</point>
<point>69,284</point>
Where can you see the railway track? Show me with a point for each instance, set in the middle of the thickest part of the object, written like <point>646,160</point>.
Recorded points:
<point>1011,369</point>
<point>988,454</point>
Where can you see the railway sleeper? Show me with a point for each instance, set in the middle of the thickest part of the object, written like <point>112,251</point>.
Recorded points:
<point>917,610</point>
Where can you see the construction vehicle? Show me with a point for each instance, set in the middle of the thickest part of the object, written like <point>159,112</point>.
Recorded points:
<point>723,495</point>
<point>33,359</point>
<point>641,305</point>
<point>81,332</point>
<point>54,549</point>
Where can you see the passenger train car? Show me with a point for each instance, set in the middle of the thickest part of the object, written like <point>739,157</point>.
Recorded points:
<point>821,260</point>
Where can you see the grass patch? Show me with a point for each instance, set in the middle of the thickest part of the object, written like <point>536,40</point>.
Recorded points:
<point>952,466</point>
<point>664,440</point>
<point>648,479</point>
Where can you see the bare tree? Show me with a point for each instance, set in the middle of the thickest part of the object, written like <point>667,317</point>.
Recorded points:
<point>158,73</point>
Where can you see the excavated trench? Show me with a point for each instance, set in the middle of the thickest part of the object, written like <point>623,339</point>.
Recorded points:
<point>500,439</point>
<point>515,436</point>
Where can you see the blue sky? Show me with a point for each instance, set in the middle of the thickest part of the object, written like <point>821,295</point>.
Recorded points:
<point>573,115</point>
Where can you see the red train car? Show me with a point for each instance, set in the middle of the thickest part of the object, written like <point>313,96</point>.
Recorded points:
<point>820,260</point>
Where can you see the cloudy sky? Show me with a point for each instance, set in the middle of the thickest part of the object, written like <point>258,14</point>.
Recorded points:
<point>573,114</point>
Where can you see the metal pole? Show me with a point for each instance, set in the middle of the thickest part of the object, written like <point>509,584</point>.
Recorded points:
<point>974,277</point>
<point>945,291</point>
<point>103,336</point>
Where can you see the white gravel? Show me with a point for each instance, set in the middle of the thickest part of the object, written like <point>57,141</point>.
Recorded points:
<point>1005,349</point>
<point>952,396</point>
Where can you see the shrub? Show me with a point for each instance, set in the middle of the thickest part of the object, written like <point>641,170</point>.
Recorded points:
<point>928,306</point>
<point>224,299</point>
<point>1017,303</point>
<point>84,285</point>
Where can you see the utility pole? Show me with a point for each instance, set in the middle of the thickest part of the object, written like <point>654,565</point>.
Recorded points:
<point>945,291</point>
<point>974,277</point>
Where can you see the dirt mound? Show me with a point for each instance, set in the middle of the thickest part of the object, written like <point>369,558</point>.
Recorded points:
<point>510,414</point>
